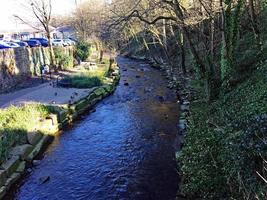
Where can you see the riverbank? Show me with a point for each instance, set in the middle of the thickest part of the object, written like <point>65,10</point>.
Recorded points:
<point>224,155</point>
<point>224,140</point>
<point>19,147</point>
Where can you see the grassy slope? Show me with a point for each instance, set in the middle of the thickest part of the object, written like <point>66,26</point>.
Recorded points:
<point>15,122</point>
<point>226,143</point>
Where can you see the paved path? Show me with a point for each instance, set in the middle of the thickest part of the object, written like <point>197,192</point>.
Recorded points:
<point>45,94</point>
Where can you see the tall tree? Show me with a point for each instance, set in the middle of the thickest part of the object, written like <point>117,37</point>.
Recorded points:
<point>42,10</point>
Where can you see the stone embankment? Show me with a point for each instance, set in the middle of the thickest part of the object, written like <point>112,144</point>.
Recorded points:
<point>23,156</point>
<point>19,64</point>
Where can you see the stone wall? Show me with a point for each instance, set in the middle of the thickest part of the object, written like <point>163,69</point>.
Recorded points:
<point>18,64</point>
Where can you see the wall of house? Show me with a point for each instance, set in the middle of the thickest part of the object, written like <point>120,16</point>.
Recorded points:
<point>18,64</point>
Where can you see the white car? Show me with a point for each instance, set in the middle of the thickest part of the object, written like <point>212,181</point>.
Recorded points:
<point>13,44</point>
<point>58,42</point>
<point>9,44</point>
<point>69,42</point>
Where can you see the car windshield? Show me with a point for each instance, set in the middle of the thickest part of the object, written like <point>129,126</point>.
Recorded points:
<point>57,40</point>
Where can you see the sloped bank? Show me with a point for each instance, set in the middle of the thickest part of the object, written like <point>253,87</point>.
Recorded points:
<point>22,156</point>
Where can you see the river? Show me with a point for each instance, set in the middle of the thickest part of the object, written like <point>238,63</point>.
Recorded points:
<point>123,150</point>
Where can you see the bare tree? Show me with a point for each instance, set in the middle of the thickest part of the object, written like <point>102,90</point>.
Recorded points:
<point>42,11</point>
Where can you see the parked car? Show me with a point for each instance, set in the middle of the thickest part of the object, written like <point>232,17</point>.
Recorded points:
<point>12,44</point>
<point>33,43</point>
<point>58,42</point>
<point>69,42</point>
<point>43,41</point>
<point>22,44</point>
<point>3,45</point>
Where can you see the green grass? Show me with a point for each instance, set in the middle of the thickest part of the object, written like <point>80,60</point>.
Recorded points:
<point>85,80</point>
<point>226,144</point>
<point>15,122</point>
<point>89,79</point>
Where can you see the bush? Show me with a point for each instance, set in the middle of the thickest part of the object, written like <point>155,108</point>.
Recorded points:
<point>83,50</point>
<point>85,81</point>
<point>63,60</point>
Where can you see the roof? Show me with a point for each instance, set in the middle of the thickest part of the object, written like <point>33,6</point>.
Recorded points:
<point>65,29</point>
<point>26,28</point>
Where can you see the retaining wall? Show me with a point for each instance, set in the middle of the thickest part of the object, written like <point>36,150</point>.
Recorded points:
<point>17,64</point>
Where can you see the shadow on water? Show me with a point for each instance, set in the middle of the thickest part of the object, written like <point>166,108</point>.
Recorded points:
<point>124,150</point>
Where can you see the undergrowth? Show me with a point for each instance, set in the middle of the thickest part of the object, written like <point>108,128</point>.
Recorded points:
<point>226,144</point>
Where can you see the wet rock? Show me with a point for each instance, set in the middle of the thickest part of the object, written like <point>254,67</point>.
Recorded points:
<point>182,115</point>
<point>169,86</point>
<point>184,107</point>
<point>143,65</point>
<point>182,124</point>
<point>22,151</point>
<point>29,170</point>
<point>21,167</point>
<point>3,177</point>
<point>36,162</point>
<point>93,110</point>
<point>2,192</point>
<point>185,102</point>
<point>12,179</point>
<point>161,98</point>
<point>146,90</point>
<point>11,165</point>
<point>44,179</point>
<point>34,137</point>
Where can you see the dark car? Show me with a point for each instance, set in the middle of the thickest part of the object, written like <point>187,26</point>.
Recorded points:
<point>22,44</point>
<point>33,43</point>
<point>43,41</point>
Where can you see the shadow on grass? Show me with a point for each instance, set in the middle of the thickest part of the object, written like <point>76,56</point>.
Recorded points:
<point>16,122</point>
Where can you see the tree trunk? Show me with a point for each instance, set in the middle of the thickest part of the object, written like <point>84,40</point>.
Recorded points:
<point>51,51</point>
<point>182,53</point>
<point>197,58</point>
<point>101,55</point>
<point>180,15</point>
<point>253,18</point>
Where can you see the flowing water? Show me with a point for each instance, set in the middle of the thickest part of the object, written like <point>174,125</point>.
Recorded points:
<point>123,150</point>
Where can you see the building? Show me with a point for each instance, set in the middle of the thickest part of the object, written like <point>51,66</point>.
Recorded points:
<point>26,31</point>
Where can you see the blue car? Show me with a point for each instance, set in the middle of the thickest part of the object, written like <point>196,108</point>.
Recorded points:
<point>33,43</point>
<point>43,41</point>
<point>2,46</point>
<point>22,44</point>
